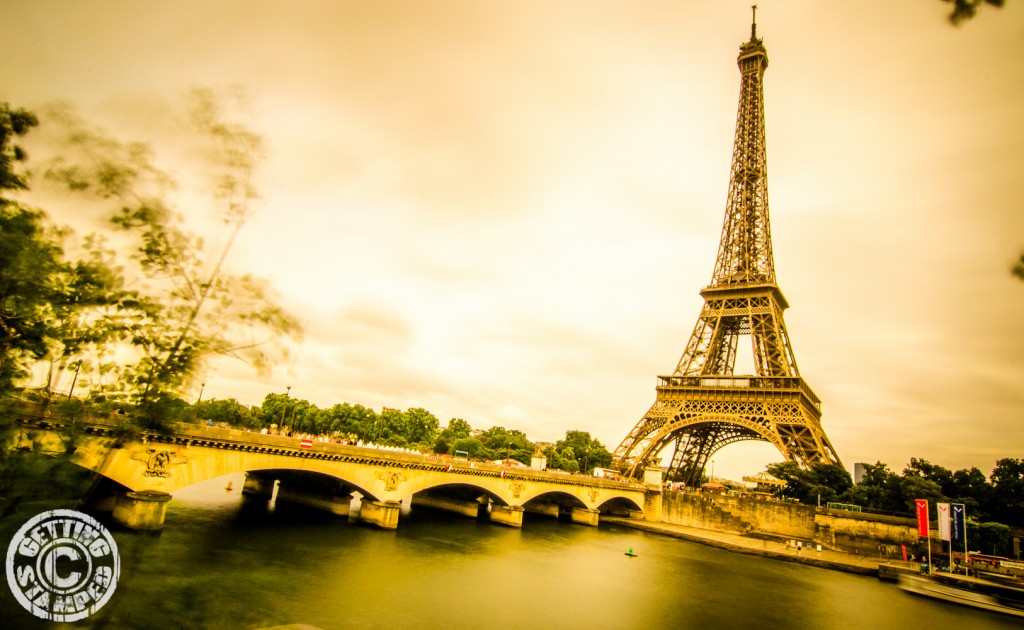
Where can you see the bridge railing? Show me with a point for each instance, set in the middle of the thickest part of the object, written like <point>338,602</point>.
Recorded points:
<point>245,439</point>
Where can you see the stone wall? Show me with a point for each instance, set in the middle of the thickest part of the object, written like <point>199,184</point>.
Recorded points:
<point>867,534</point>
<point>854,532</point>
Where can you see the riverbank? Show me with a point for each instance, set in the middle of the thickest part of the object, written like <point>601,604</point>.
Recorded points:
<point>775,549</point>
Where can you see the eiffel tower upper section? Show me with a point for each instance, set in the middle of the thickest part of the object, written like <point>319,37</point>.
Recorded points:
<point>745,266</point>
<point>745,253</point>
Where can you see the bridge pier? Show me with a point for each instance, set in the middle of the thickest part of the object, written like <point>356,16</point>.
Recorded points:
<point>383,514</point>
<point>258,486</point>
<point>653,479</point>
<point>585,516</point>
<point>141,510</point>
<point>652,505</point>
<point>509,515</point>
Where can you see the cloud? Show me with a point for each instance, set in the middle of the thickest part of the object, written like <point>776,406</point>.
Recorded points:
<point>505,211</point>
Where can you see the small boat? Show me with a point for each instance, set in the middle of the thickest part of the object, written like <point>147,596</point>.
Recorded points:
<point>630,553</point>
<point>966,591</point>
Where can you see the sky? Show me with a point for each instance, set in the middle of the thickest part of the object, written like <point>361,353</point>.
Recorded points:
<point>504,211</point>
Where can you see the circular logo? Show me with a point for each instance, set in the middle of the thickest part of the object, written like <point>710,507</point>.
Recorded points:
<point>62,565</point>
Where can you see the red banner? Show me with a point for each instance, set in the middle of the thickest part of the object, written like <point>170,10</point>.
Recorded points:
<point>922,516</point>
<point>306,443</point>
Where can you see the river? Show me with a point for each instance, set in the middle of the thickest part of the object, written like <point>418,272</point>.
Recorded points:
<point>220,564</point>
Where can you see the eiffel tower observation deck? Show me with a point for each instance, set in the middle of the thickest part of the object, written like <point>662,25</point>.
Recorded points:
<point>703,405</point>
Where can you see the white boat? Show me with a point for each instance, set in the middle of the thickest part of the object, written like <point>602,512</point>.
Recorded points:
<point>966,591</point>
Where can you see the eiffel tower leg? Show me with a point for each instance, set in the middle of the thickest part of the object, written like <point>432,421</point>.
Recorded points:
<point>688,460</point>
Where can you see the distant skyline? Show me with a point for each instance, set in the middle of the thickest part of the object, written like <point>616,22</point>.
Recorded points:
<point>505,211</point>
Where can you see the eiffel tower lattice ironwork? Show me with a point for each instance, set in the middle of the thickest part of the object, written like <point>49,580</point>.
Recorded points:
<point>703,406</point>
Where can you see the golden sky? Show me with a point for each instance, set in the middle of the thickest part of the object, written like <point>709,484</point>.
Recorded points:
<point>504,210</point>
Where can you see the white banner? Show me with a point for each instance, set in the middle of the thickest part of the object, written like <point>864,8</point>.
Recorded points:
<point>943,509</point>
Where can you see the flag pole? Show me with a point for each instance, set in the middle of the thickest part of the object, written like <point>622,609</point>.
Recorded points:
<point>929,524</point>
<point>967,560</point>
<point>928,529</point>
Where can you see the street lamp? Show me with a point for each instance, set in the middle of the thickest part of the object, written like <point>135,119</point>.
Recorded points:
<point>284,407</point>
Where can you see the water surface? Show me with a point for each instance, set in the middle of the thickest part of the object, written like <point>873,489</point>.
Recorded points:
<point>221,564</point>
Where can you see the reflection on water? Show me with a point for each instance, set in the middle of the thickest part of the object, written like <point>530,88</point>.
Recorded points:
<point>220,564</point>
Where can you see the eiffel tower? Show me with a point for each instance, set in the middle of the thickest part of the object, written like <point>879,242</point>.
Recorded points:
<point>703,406</point>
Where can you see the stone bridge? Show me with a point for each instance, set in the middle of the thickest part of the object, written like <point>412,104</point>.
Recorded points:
<point>151,466</point>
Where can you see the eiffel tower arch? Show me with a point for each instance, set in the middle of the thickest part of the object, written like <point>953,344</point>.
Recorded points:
<point>703,405</point>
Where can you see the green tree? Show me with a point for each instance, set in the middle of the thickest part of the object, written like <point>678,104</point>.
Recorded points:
<point>365,419</point>
<point>391,428</point>
<point>230,412</point>
<point>926,470</point>
<point>992,538</point>
<point>914,487</point>
<point>30,254</point>
<point>793,475</point>
<point>471,445</point>
<point>441,446</point>
<point>421,426</point>
<point>879,489</point>
<point>971,488</point>
<point>49,308</point>
<point>349,422</point>
<point>1007,502</point>
<point>274,411</point>
<point>966,9</point>
<point>190,307</point>
<point>304,417</point>
<point>30,260</point>
<point>13,124</point>
<point>829,482</point>
<point>511,443</point>
<point>88,317</point>
<point>563,458</point>
<point>578,452</point>
<point>457,429</point>
<point>819,483</point>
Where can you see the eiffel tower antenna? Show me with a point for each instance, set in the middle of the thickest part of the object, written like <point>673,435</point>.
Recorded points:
<point>703,406</point>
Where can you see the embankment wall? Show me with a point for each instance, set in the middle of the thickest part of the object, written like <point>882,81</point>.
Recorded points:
<point>854,532</point>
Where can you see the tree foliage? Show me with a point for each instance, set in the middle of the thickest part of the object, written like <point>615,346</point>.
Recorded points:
<point>999,498</point>
<point>145,282</point>
<point>1006,498</point>
<point>29,254</point>
<point>993,505</point>
<point>14,123</point>
<point>821,483</point>
<point>578,452</point>
<point>966,9</point>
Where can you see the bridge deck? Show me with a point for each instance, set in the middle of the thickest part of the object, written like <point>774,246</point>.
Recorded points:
<point>190,434</point>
